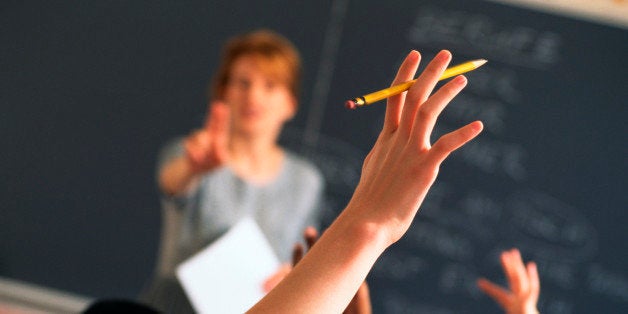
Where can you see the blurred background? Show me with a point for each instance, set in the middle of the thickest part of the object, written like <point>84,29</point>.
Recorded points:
<point>90,91</point>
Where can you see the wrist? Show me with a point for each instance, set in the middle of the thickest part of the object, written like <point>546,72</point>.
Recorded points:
<point>378,218</point>
<point>177,176</point>
<point>364,230</point>
<point>524,310</point>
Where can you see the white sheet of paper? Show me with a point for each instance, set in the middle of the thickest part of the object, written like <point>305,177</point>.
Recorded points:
<point>227,276</point>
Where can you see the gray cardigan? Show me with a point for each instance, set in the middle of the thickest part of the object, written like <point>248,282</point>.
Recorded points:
<point>282,209</point>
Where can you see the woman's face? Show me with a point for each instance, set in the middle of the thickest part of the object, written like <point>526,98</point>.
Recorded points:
<point>259,103</point>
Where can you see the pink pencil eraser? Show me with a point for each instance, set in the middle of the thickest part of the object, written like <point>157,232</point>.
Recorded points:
<point>350,104</point>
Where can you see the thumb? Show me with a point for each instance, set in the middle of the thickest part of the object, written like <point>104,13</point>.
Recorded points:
<point>497,293</point>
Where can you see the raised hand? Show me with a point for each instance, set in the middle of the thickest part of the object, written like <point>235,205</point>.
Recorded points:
<point>207,148</point>
<point>523,289</point>
<point>403,164</point>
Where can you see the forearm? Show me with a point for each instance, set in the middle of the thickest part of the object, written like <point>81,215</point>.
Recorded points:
<point>328,277</point>
<point>177,176</point>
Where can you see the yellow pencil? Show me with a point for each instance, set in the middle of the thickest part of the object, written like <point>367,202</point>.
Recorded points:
<point>398,89</point>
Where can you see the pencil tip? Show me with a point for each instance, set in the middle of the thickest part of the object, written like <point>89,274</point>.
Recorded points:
<point>479,62</point>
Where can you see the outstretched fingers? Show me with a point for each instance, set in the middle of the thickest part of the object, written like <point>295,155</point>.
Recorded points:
<point>431,75</point>
<point>452,141</point>
<point>516,272</point>
<point>394,106</point>
<point>217,123</point>
<point>421,90</point>
<point>218,130</point>
<point>428,113</point>
<point>533,276</point>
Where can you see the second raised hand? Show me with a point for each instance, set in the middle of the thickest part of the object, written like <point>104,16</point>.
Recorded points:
<point>207,148</point>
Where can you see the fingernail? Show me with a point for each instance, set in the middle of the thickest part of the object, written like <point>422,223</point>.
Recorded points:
<point>478,126</point>
<point>413,54</point>
<point>460,79</point>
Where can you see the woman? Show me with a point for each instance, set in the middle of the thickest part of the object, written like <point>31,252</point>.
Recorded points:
<point>234,167</point>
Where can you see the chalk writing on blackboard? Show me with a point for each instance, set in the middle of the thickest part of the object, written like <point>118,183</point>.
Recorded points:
<point>605,282</point>
<point>480,34</point>
<point>553,229</point>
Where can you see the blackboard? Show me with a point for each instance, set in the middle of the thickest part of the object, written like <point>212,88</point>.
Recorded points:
<point>91,90</point>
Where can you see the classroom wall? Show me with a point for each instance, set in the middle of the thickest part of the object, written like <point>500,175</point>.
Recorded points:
<point>91,90</point>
